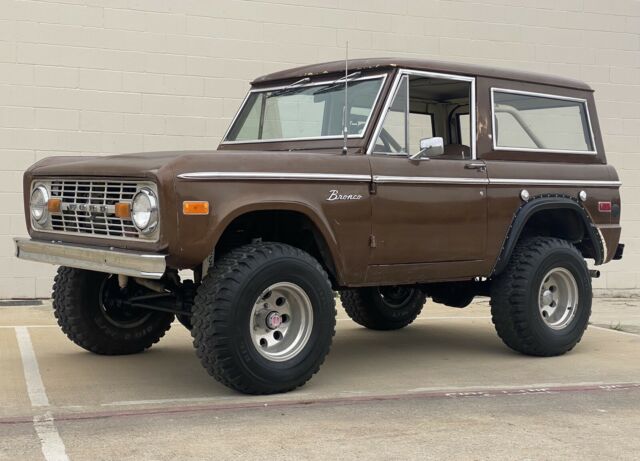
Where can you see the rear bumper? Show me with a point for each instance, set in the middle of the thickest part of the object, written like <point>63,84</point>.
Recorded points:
<point>109,260</point>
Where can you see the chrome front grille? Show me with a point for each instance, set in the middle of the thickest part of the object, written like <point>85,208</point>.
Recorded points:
<point>88,207</point>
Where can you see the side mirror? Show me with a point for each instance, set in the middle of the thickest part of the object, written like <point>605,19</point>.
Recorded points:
<point>429,147</point>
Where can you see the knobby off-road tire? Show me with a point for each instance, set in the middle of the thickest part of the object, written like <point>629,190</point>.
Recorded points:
<point>79,306</point>
<point>523,297</point>
<point>383,308</point>
<point>250,290</point>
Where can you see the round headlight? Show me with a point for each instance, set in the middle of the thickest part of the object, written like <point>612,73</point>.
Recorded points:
<point>144,211</point>
<point>38,204</point>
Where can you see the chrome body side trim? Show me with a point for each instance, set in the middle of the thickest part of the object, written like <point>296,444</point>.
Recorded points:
<point>381,179</point>
<point>530,149</point>
<point>224,141</point>
<point>555,182</point>
<point>427,180</point>
<point>274,176</point>
<point>392,93</point>
<point>111,261</point>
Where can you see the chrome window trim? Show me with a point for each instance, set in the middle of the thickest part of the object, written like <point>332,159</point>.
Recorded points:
<point>536,149</point>
<point>392,93</point>
<point>303,138</point>
<point>271,176</point>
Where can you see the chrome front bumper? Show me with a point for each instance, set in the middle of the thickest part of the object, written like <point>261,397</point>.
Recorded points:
<point>109,260</point>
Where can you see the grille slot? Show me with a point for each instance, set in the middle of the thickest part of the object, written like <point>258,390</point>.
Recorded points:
<point>101,195</point>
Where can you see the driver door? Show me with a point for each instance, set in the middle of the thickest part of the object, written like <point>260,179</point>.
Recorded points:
<point>431,210</point>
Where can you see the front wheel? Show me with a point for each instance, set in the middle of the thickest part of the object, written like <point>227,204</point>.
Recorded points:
<point>541,303</point>
<point>264,318</point>
<point>92,311</point>
<point>383,308</point>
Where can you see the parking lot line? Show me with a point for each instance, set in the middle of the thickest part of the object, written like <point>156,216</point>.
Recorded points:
<point>51,444</point>
<point>613,330</point>
<point>35,386</point>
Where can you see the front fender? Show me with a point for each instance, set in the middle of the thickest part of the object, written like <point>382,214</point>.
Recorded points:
<point>344,225</point>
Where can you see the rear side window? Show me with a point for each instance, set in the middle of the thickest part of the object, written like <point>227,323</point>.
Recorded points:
<point>527,121</point>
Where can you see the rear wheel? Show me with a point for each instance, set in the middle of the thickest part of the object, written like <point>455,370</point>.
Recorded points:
<point>91,310</point>
<point>541,303</point>
<point>383,308</point>
<point>264,318</point>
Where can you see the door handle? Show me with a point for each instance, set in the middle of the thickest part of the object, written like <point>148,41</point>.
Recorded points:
<point>476,166</point>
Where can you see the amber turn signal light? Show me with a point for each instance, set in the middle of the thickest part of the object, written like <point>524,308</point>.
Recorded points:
<point>54,205</point>
<point>195,208</point>
<point>123,210</point>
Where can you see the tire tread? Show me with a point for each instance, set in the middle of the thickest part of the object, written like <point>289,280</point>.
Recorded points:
<point>213,309</point>
<point>509,310</point>
<point>67,305</point>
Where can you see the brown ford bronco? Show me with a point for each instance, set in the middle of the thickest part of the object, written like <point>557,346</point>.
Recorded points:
<point>390,182</point>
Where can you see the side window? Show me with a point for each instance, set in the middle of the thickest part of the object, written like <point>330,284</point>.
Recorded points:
<point>540,122</point>
<point>511,132</point>
<point>433,107</point>
<point>420,126</point>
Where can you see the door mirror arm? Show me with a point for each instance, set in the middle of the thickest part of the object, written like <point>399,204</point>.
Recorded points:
<point>429,147</point>
<point>420,156</point>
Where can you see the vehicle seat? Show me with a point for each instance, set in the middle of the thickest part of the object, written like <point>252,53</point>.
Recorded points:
<point>456,152</point>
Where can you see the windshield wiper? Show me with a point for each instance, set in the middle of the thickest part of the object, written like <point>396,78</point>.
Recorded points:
<point>337,83</point>
<point>289,88</point>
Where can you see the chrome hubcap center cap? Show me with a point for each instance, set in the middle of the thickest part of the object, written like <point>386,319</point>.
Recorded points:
<point>274,320</point>
<point>547,297</point>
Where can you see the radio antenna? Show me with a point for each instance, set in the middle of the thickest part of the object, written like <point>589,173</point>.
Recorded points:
<point>345,110</point>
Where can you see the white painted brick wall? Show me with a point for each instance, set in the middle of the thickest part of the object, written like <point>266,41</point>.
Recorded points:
<point>101,77</point>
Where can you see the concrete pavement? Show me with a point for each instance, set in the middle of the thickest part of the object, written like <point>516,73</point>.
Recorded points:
<point>444,387</point>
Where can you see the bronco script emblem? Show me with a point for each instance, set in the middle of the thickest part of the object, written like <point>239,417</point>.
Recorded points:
<point>336,195</point>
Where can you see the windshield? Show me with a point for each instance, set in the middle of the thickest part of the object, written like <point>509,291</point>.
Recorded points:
<point>306,111</point>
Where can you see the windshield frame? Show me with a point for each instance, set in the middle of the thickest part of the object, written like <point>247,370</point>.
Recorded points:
<point>324,81</point>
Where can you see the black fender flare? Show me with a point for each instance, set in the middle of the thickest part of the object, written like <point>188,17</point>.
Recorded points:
<point>535,205</point>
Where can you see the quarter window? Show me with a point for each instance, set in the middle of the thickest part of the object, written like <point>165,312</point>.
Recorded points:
<point>540,122</point>
<point>393,137</point>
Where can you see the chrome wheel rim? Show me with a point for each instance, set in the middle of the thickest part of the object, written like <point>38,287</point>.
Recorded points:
<point>558,298</point>
<point>281,321</point>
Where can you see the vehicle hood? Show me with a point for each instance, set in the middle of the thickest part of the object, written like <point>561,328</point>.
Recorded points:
<point>164,165</point>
